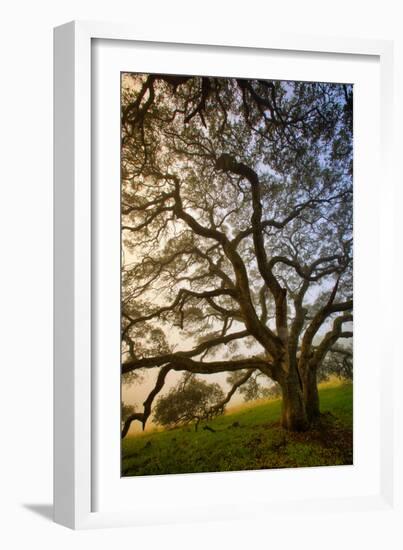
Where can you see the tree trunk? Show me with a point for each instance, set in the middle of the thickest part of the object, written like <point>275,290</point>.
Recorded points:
<point>311,394</point>
<point>294,416</point>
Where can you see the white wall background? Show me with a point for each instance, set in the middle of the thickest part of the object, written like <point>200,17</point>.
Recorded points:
<point>26,262</point>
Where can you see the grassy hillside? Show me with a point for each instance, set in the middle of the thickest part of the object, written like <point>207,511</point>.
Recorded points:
<point>248,439</point>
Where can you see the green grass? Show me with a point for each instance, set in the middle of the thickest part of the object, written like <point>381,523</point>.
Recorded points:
<point>247,439</point>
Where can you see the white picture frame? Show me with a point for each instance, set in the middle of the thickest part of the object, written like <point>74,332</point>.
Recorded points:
<point>76,469</point>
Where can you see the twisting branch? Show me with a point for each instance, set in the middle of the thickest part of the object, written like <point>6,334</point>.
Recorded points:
<point>179,361</point>
<point>227,163</point>
<point>329,308</point>
<point>205,91</point>
<point>331,338</point>
<point>219,407</point>
<point>143,417</point>
<point>294,214</point>
<point>220,247</point>
<point>297,324</point>
<point>132,112</point>
<point>209,344</point>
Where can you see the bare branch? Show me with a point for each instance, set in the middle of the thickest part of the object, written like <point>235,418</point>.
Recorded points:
<point>331,338</point>
<point>143,417</point>
<point>182,361</point>
<point>182,296</point>
<point>229,164</point>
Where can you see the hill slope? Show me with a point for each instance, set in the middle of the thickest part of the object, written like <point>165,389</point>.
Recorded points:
<point>248,439</point>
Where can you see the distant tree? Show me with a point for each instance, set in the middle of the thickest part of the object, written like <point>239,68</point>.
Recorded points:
<point>191,400</point>
<point>126,412</point>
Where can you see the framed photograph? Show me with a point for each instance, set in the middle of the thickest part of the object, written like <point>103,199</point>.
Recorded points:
<point>220,228</point>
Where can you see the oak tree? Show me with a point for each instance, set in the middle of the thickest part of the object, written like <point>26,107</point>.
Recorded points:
<point>237,231</point>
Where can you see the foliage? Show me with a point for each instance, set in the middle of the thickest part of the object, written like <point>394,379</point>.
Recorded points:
<point>192,399</point>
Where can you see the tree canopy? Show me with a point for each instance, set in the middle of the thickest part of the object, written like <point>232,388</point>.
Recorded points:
<point>236,230</point>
